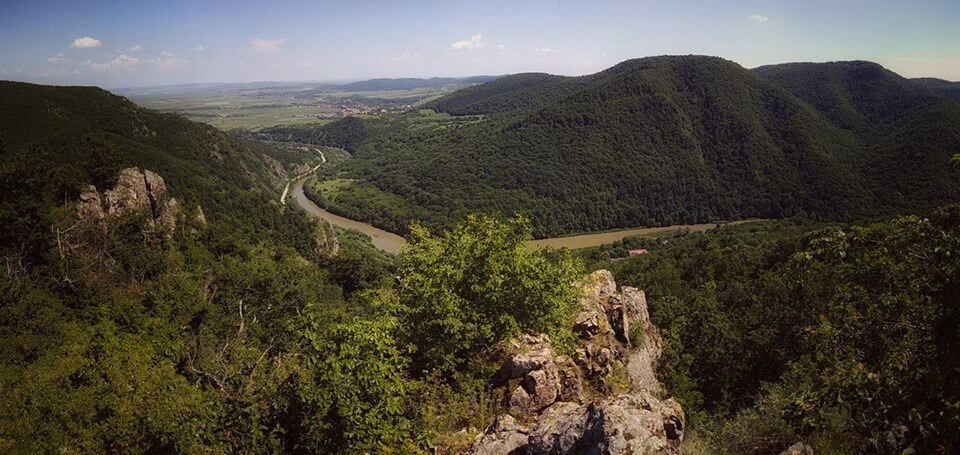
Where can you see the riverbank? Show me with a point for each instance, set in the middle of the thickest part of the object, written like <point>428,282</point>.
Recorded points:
<point>386,241</point>
<point>392,243</point>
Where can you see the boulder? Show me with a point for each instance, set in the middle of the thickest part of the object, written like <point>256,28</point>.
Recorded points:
<point>622,424</point>
<point>532,353</point>
<point>800,448</point>
<point>503,436</point>
<point>90,204</point>
<point>130,193</point>
<point>544,377</point>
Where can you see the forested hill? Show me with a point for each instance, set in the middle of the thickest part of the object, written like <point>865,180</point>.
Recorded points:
<point>905,129</point>
<point>58,139</point>
<point>661,140</point>
<point>943,88</point>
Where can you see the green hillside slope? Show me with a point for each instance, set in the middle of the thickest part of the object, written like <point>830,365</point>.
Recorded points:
<point>57,139</point>
<point>659,140</point>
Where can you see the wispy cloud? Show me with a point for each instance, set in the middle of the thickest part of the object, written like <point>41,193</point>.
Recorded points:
<point>501,47</point>
<point>123,61</point>
<point>59,58</point>
<point>406,56</point>
<point>167,61</point>
<point>85,42</point>
<point>475,42</point>
<point>199,48</point>
<point>543,51</point>
<point>759,18</point>
<point>136,48</point>
<point>266,46</point>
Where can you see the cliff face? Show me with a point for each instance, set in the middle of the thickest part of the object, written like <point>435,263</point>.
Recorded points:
<point>88,244</point>
<point>605,399</point>
<point>135,190</point>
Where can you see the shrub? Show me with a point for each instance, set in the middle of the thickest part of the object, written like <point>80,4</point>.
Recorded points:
<point>480,283</point>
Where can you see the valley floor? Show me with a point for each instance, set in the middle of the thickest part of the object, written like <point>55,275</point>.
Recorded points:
<point>392,243</point>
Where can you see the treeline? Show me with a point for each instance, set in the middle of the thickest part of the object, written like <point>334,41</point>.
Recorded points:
<point>347,133</point>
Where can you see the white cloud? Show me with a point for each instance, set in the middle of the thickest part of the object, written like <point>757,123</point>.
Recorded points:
<point>475,42</point>
<point>59,58</point>
<point>136,48</point>
<point>501,47</point>
<point>199,48</point>
<point>85,42</point>
<point>166,54</point>
<point>123,61</point>
<point>543,51</point>
<point>266,46</point>
<point>759,18</point>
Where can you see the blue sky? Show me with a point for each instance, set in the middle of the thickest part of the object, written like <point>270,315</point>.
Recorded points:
<point>134,43</point>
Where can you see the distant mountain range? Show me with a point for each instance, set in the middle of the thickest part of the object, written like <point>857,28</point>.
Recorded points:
<point>410,83</point>
<point>371,85</point>
<point>661,140</point>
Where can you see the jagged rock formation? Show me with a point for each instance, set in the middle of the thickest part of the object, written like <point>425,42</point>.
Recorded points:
<point>325,241</point>
<point>135,190</point>
<point>604,400</point>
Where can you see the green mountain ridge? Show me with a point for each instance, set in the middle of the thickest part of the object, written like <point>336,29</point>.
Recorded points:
<point>657,141</point>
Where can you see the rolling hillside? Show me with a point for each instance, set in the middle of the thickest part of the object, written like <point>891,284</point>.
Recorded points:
<point>659,140</point>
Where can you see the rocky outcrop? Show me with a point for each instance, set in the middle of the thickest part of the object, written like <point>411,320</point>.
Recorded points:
<point>504,436</point>
<point>625,423</point>
<point>606,399</point>
<point>276,167</point>
<point>135,190</point>
<point>325,241</point>
<point>542,377</point>
<point>800,448</point>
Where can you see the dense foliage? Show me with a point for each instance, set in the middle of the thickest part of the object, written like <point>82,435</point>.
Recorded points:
<point>347,134</point>
<point>658,141</point>
<point>229,335</point>
<point>477,285</point>
<point>846,335</point>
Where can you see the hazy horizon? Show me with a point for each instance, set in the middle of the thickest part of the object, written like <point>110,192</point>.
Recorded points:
<point>120,45</point>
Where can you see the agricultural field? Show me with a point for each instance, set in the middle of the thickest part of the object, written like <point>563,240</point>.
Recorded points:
<point>257,106</point>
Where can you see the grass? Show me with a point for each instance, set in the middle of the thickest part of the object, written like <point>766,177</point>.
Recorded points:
<point>329,189</point>
<point>284,105</point>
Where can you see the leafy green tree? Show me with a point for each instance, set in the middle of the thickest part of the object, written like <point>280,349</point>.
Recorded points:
<point>884,350</point>
<point>354,389</point>
<point>471,287</point>
<point>104,391</point>
<point>955,160</point>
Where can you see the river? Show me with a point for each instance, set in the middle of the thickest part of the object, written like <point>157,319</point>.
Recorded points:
<point>386,241</point>
<point>392,243</point>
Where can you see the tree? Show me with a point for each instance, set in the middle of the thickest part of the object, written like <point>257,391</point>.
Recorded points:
<point>884,348</point>
<point>355,397</point>
<point>476,285</point>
